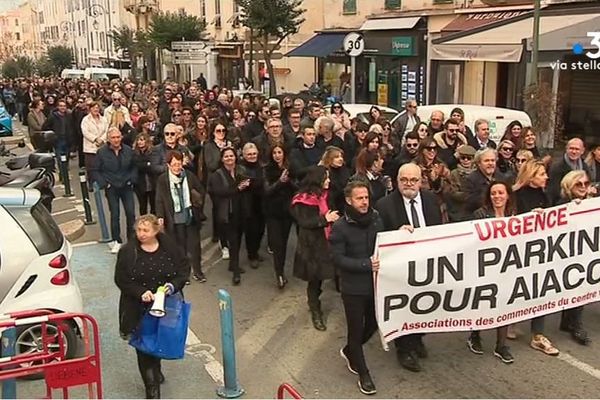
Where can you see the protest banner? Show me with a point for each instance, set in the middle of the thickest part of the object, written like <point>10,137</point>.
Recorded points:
<point>487,273</point>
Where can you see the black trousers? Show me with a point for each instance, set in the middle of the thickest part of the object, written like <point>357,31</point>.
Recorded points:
<point>233,237</point>
<point>149,367</point>
<point>313,291</point>
<point>361,324</point>
<point>188,238</point>
<point>278,233</point>
<point>573,316</point>
<point>146,199</point>
<point>408,343</point>
<point>254,230</point>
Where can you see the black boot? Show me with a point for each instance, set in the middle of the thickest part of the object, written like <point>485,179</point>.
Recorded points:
<point>317,320</point>
<point>153,391</point>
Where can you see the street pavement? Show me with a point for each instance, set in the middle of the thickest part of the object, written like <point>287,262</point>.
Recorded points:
<point>276,343</point>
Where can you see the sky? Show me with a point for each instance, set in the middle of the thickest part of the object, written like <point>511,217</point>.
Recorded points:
<point>9,4</point>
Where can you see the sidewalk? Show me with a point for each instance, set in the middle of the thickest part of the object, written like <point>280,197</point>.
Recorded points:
<point>93,267</point>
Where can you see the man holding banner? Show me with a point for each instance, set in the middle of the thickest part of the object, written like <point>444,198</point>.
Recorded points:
<point>407,208</point>
<point>352,243</point>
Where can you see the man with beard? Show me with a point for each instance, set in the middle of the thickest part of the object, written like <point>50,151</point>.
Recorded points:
<point>352,243</point>
<point>257,126</point>
<point>407,154</point>
<point>478,181</point>
<point>409,208</point>
<point>448,141</point>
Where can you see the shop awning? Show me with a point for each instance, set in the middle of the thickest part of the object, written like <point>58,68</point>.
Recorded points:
<point>565,38</point>
<point>382,24</point>
<point>320,45</point>
<point>501,42</point>
<point>465,22</point>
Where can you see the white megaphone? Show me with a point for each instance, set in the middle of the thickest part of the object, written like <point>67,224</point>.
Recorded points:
<point>158,307</point>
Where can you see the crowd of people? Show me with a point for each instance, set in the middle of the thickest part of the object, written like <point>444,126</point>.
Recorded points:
<point>268,167</point>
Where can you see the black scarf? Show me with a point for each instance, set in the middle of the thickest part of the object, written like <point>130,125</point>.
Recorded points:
<point>363,220</point>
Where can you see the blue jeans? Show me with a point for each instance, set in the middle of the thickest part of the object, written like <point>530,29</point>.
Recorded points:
<point>125,195</point>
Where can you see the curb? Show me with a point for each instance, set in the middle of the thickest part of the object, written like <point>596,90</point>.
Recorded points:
<point>13,139</point>
<point>72,230</point>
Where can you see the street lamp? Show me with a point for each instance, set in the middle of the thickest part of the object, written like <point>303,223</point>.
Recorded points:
<point>68,28</point>
<point>97,10</point>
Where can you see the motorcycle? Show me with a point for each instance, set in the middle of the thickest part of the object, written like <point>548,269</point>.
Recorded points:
<point>35,173</point>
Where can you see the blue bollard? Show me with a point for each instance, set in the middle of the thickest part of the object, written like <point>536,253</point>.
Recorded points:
<point>9,338</point>
<point>232,388</point>
<point>101,216</point>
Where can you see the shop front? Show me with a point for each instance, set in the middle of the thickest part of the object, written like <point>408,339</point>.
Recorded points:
<point>393,66</point>
<point>230,63</point>
<point>489,65</point>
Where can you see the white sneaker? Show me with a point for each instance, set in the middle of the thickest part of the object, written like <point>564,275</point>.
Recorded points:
<point>225,253</point>
<point>111,245</point>
<point>115,249</point>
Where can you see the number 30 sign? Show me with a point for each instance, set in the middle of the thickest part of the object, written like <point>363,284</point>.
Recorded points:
<point>354,45</point>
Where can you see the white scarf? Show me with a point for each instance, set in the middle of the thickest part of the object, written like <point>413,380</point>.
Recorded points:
<point>177,183</point>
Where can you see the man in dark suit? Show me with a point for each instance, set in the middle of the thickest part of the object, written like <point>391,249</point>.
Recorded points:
<point>405,123</point>
<point>409,208</point>
<point>572,160</point>
<point>482,136</point>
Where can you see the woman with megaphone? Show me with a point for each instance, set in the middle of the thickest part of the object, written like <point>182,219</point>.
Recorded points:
<point>150,261</point>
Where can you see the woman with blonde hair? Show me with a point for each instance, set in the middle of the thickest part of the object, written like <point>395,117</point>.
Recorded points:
<point>530,195</point>
<point>593,161</point>
<point>118,120</point>
<point>148,261</point>
<point>522,157</point>
<point>333,160</point>
<point>575,186</point>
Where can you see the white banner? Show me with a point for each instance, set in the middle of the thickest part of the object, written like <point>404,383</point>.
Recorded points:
<point>488,273</point>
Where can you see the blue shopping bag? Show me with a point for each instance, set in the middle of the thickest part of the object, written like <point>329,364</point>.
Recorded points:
<point>164,337</point>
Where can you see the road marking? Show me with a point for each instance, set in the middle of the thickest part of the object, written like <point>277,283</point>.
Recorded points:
<point>205,351</point>
<point>580,365</point>
<point>84,244</point>
<point>79,208</point>
<point>208,254</point>
<point>54,214</point>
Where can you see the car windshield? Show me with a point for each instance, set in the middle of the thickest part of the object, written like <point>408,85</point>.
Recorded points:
<point>39,227</point>
<point>387,115</point>
<point>104,76</point>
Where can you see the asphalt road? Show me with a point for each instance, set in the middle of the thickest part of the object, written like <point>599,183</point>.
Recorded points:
<point>276,343</point>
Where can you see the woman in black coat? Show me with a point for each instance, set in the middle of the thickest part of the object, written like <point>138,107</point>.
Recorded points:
<point>312,261</point>
<point>144,264</point>
<point>226,186</point>
<point>254,225</point>
<point>530,194</point>
<point>339,174</point>
<point>179,196</point>
<point>145,160</point>
<point>279,189</point>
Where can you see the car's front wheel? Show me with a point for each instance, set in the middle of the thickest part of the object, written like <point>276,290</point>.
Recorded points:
<point>29,340</point>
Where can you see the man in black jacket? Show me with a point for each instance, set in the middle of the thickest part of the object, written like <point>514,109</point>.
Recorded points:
<point>116,173</point>
<point>307,154</point>
<point>409,208</point>
<point>352,243</point>
<point>478,181</point>
<point>572,160</point>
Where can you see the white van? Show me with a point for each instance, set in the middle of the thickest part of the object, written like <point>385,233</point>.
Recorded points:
<point>69,73</point>
<point>499,118</point>
<point>101,74</point>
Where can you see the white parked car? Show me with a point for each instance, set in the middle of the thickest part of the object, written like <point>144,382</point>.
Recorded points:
<point>361,111</point>
<point>35,266</point>
<point>498,118</point>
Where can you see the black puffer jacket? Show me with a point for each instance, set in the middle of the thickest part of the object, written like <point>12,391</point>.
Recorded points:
<point>352,246</point>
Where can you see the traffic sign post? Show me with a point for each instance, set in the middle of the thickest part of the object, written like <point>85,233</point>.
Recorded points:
<point>354,45</point>
<point>189,52</point>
